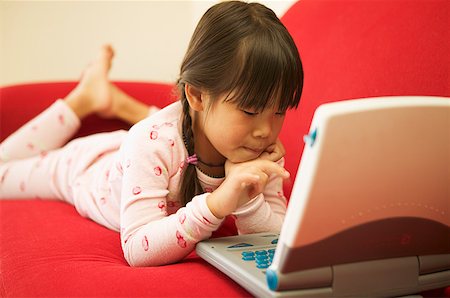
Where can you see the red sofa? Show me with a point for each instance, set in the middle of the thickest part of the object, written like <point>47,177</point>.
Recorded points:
<point>350,49</point>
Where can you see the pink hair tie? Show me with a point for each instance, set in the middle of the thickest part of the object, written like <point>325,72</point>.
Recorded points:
<point>192,159</point>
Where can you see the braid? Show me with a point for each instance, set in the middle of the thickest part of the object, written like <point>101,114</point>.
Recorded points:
<point>190,185</point>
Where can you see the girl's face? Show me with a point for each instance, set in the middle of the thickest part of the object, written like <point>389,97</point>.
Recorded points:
<point>240,135</point>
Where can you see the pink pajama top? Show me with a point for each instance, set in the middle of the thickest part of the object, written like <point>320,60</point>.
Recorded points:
<point>145,178</point>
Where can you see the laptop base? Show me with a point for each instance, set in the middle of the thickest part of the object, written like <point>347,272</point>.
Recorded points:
<point>386,277</point>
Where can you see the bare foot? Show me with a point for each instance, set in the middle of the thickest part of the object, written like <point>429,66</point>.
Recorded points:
<point>93,92</point>
<point>96,94</point>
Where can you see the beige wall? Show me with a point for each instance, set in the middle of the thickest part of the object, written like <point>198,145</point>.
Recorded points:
<point>54,40</point>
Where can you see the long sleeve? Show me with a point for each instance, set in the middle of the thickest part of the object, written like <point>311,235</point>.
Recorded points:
<point>264,213</point>
<point>151,161</point>
<point>170,238</point>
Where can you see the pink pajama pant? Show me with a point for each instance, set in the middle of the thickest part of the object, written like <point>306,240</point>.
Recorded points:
<point>36,162</point>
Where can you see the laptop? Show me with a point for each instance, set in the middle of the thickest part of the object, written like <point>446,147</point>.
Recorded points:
<point>369,212</point>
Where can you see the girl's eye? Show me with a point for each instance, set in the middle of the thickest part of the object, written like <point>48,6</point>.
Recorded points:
<point>280,114</point>
<point>249,113</point>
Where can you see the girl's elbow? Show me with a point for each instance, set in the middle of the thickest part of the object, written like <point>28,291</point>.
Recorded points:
<point>136,261</point>
<point>135,258</point>
<point>146,259</point>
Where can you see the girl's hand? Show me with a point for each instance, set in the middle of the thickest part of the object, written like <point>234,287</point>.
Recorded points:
<point>274,152</point>
<point>243,182</point>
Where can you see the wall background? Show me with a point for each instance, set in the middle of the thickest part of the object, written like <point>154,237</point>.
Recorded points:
<point>54,40</point>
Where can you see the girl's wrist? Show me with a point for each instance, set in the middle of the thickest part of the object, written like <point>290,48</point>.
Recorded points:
<point>210,202</point>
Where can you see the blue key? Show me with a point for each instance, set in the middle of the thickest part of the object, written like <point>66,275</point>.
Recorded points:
<point>271,251</point>
<point>262,266</point>
<point>247,253</point>
<point>261,261</point>
<point>261,252</point>
<point>248,258</point>
<point>262,257</point>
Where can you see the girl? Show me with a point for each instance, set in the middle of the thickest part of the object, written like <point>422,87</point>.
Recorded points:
<point>169,182</point>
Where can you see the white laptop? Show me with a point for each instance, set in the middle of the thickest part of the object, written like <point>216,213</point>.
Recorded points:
<point>369,212</point>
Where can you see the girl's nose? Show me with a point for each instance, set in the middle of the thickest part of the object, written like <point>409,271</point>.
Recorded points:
<point>263,130</point>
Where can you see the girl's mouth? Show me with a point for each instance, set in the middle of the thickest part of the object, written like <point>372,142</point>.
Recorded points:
<point>255,151</point>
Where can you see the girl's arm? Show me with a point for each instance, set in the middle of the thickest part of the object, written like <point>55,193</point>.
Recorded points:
<point>242,193</point>
<point>150,159</point>
<point>266,212</point>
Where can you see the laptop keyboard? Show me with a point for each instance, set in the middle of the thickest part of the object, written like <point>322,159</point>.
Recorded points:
<point>262,258</point>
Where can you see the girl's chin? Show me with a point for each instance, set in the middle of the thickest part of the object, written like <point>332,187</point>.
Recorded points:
<point>244,156</point>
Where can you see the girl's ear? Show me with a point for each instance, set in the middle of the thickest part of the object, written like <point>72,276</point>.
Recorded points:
<point>194,97</point>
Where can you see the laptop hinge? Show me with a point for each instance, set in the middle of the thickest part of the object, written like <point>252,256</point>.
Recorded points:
<point>304,279</point>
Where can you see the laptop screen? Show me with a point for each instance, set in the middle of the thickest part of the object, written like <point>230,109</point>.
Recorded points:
<point>373,183</point>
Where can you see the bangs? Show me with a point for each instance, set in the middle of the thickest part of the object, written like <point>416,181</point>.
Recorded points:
<point>266,73</point>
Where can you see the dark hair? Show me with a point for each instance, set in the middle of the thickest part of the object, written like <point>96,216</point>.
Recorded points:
<point>241,49</point>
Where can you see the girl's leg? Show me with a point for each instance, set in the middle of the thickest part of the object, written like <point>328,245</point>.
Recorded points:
<point>55,126</point>
<point>48,131</point>
<point>128,108</point>
<point>30,156</point>
<point>96,94</point>
<point>33,177</point>
<point>29,159</point>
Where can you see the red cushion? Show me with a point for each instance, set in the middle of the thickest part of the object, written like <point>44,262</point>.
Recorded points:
<point>47,249</point>
<point>357,49</point>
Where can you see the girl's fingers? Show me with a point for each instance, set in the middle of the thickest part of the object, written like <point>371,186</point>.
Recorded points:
<point>271,168</point>
<point>274,152</point>
<point>254,184</point>
<point>248,179</point>
<point>272,156</point>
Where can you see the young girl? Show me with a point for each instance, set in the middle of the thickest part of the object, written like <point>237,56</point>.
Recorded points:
<point>168,182</point>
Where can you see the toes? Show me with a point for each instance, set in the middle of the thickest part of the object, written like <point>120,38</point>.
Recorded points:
<point>107,51</point>
<point>105,56</point>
